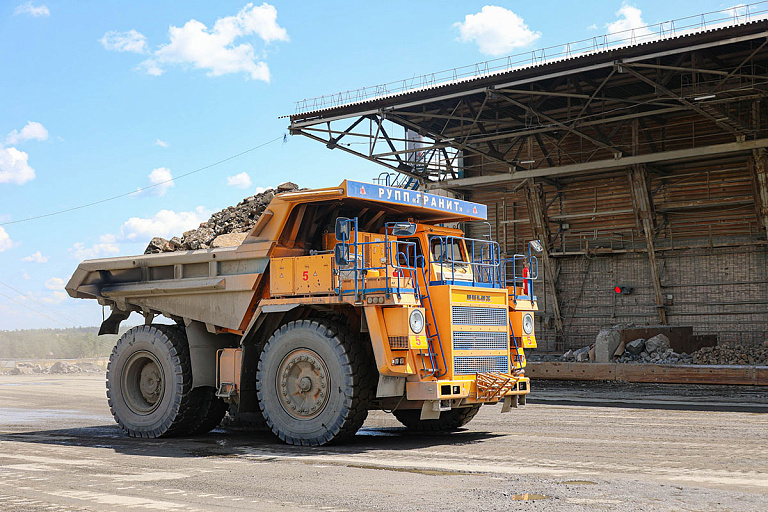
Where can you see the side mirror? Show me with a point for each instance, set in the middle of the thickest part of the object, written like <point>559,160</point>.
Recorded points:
<point>343,229</point>
<point>403,229</point>
<point>341,254</point>
<point>536,245</point>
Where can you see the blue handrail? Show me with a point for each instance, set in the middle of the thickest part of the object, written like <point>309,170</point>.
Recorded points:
<point>435,369</point>
<point>519,281</point>
<point>485,270</point>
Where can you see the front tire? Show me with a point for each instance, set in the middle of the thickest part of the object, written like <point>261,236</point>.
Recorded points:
<point>447,422</point>
<point>149,382</point>
<point>312,383</point>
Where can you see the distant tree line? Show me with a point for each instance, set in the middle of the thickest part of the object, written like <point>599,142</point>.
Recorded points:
<point>72,343</point>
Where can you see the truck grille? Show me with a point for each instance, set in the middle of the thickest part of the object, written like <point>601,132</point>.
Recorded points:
<point>480,364</point>
<point>479,340</point>
<point>469,315</point>
<point>398,343</point>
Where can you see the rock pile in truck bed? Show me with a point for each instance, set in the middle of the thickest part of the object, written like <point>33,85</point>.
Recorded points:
<point>225,228</point>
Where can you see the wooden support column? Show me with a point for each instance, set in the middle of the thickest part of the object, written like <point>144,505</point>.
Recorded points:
<point>646,217</point>
<point>758,165</point>
<point>540,228</point>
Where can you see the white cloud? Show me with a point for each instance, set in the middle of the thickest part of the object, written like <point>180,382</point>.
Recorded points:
<point>241,180</point>
<point>161,143</point>
<point>55,283</point>
<point>24,275</point>
<point>629,26</point>
<point>215,49</point>
<point>14,167</point>
<point>165,223</point>
<point>31,131</point>
<point>496,30</point>
<point>33,10</point>
<point>36,257</point>
<point>161,179</point>
<point>5,240</point>
<point>130,41</point>
<point>592,27</point>
<point>55,297</point>
<point>105,247</point>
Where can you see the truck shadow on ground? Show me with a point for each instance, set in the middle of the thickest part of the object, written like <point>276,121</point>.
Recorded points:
<point>258,445</point>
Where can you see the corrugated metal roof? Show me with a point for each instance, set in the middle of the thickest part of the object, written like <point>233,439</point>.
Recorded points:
<point>627,50</point>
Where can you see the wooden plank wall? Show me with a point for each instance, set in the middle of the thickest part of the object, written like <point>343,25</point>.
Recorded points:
<point>712,252</point>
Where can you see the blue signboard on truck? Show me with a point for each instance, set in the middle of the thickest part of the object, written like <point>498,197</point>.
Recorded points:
<point>427,201</point>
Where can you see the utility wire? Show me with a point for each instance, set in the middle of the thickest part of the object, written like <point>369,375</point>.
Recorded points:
<point>45,306</point>
<point>31,309</point>
<point>67,210</point>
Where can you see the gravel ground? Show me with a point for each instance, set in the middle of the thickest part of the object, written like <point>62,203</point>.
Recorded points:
<point>60,450</point>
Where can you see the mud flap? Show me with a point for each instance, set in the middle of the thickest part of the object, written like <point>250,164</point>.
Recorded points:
<point>431,409</point>
<point>390,386</point>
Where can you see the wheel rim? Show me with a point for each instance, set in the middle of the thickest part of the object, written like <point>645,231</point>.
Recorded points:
<point>302,384</point>
<point>143,383</point>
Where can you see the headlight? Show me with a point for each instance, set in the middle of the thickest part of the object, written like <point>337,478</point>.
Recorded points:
<point>528,323</point>
<point>417,321</point>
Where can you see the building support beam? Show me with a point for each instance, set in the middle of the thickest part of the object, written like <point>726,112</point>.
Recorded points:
<point>657,86</point>
<point>758,166</point>
<point>644,212</point>
<point>694,154</point>
<point>540,229</point>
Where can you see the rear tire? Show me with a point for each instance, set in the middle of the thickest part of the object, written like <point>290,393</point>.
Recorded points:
<point>149,382</point>
<point>312,383</point>
<point>210,410</point>
<point>447,422</point>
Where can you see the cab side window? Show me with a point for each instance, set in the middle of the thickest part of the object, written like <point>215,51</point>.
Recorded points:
<point>408,255</point>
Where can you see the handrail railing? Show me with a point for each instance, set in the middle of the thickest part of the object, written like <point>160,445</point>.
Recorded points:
<point>731,16</point>
<point>521,281</point>
<point>483,271</point>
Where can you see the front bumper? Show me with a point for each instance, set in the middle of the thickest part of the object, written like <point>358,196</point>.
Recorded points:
<point>485,388</point>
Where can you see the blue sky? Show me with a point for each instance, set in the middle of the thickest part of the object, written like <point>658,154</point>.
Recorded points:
<point>99,99</point>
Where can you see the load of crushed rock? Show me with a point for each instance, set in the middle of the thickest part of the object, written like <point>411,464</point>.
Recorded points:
<point>226,228</point>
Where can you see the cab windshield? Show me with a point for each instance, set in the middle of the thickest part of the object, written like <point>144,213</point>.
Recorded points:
<point>449,250</point>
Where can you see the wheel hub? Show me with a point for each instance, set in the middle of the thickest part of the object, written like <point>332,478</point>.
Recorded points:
<point>302,384</point>
<point>151,382</point>
<point>142,382</point>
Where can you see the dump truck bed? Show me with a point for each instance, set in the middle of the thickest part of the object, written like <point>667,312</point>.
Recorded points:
<point>213,286</point>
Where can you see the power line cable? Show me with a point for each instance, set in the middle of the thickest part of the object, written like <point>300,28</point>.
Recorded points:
<point>31,309</point>
<point>67,210</point>
<point>45,306</point>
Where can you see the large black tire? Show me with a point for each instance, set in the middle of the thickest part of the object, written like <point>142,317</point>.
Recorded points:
<point>209,411</point>
<point>447,422</point>
<point>149,382</point>
<point>313,383</point>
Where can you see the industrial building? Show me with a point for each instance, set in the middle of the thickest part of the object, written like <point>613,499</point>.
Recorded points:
<point>639,159</point>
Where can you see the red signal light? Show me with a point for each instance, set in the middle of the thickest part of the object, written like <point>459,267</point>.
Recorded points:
<point>617,289</point>
<point>622,290</point>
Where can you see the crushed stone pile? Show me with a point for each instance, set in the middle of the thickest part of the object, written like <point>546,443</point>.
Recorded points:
<point>226,228</point>
<point>657,350</point>
<point>731,355</point>
<point>57,368</point>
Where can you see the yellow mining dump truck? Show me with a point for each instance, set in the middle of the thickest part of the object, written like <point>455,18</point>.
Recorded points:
<point>339,301</point>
